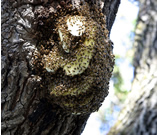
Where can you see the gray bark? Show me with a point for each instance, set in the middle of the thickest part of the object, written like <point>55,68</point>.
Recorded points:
<point>24,110</point>
<point>139,115</point>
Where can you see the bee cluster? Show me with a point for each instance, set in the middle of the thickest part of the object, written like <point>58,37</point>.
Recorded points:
<point>74,58</point>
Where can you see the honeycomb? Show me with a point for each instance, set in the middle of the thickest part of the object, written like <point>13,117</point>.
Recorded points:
<point>76,57</point>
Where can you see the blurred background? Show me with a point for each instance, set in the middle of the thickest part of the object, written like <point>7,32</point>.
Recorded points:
<point>122,35</point>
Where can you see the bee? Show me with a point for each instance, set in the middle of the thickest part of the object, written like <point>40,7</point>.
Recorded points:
<point>55,15</point>
<point>68,66</point>
<point>62,3</point>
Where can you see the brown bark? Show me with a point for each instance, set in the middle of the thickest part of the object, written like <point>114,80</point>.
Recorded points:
<point>23,110</point>
<point>139,115</point>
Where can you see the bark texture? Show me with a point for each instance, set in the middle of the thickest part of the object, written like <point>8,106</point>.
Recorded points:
<point>139,115</point>
<point>23,110</point>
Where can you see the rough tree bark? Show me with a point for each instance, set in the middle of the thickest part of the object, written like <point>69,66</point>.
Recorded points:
<point>23,110</point>
<point>139,115</point>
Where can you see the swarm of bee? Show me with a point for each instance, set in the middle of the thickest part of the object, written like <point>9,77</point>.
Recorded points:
<point>77,59</point>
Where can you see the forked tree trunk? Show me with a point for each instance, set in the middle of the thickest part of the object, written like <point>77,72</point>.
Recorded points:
<point>24,110</point>
<point>139,115</point>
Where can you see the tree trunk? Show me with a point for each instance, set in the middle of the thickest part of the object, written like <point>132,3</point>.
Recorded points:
<point>26,108</point>
<point>139,115</point>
